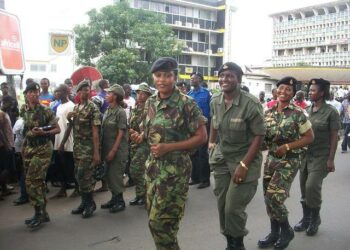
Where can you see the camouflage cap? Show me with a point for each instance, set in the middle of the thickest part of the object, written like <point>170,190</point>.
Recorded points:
<point>32,86</point>
<point>164,64</point>
<point>231,66</point>
<point>116,89</point>
<point>83,84</point>
<point>288,80</point>
<point>144,88</point>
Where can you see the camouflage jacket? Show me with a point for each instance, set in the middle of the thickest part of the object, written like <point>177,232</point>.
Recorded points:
<point>285,127</point>
<point>169,120</point>
<point>136,117</point>
<point>88,115</point>
<point>40,116</point>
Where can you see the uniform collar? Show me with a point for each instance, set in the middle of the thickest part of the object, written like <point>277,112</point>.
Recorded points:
<point>236,97</point>
<point>321,109</point>
<point>171,101</point>
<point>289,106</point>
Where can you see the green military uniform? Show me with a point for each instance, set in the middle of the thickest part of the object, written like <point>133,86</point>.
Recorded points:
<point>237,126</point>
<point>279,173</point>
<point>83,149</point>
<point>139,153</point>
<point>169,120</point>
<point>314,165</point>
<point>113,120</point>
<point>37,151</point>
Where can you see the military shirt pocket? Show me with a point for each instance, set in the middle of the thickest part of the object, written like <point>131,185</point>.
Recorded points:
<point>238,129</point>
<point>320,126</point>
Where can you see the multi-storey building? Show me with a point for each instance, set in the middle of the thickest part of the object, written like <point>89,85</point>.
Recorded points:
<point>205,28</point>
<point>318,35</point>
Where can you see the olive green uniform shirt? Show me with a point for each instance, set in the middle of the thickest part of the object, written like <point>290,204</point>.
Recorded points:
<point>323,122</point>
<point>237,126</point>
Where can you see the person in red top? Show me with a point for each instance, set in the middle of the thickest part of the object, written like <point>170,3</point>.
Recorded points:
<point>271,103</point>
<point>300,99</point>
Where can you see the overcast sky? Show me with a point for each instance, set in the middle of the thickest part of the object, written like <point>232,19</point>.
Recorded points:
<point>253,28</point>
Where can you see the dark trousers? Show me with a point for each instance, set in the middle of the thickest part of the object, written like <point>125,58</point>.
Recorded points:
<point>345,144</point>
<point>200,165</point>
<point>65,162</point>
<point>21,176</point>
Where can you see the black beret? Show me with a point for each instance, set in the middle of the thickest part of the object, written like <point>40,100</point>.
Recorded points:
<point>82,84</point>
<point>320,81</point>
<point>288,80</point>
<point>32,86</point>
<point>197,74</point>
<point>164,64</point>
<point>231,66</point>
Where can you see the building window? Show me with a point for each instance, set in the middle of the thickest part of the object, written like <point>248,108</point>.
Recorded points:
<point>38,67</point>
<point>185,59</point>
<point>53,67</point>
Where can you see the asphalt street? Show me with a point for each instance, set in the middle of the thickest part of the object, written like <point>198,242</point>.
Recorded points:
<point>199,229</point>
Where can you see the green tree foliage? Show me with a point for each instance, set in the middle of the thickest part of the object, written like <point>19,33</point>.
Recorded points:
<point>123,42</point>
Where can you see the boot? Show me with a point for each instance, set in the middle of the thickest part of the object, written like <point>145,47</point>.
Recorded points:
<point>119,205</point>
<point>109,204</point>
<point>229,242</point>
<point>272,237</point>
<point>139,201</point>
<point>80,208</point>
<point>315,221</point>
<point>239,245</point>
<point>286,235</point>
<point>305,221</point>
<point>44,215</point>
<point>36,214</point>
<point>90,206</point>
<point>36,221</point>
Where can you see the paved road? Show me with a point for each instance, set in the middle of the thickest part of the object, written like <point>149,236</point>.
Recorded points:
<point>199,229</point>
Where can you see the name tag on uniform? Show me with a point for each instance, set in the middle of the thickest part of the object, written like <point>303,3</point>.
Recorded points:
<point>236,120</point>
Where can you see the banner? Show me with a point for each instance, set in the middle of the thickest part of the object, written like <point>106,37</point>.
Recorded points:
<point>60,44</point>
<point>11,50</point>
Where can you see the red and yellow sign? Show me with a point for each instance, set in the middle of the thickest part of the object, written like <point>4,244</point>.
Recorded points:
<point>11,50</point>
<point>59,43</point>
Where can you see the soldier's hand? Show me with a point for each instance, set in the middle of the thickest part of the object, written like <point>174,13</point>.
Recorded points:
<point>159,150</point>
<point>330,166</point>
<point>38,131</point>
<point>281,151</point>
<point>211,145</point>
<point>135,136</point>
<point>110,156</point>
<point>71,115</point>
<point>239,175</point>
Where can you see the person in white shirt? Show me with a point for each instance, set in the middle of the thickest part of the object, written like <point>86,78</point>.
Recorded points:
<point>64,152</point>
<point>334,102</point>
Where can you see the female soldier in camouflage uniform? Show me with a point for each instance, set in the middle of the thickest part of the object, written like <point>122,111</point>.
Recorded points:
<point>287,131</point>
<point>85,121</point>
<point>319,159</point>
<point>37,151</point>
<point>115,146</point>
<point>173,125</point>
<point>139,152</point>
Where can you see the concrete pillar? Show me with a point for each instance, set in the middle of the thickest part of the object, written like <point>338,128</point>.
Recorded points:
<point>326,11</point>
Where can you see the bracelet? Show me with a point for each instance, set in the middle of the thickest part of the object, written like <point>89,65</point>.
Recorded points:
<point>243,165</point>
<point>287,147</point>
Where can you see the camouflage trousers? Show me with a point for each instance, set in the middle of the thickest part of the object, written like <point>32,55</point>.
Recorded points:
<point>279,174</point>
<point>84,169</point>
<point>137,168</point>
<point>36,162</point>
<point>167,188</point>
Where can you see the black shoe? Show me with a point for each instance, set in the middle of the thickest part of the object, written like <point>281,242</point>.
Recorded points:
<point>109,203</point>
<point>137,201</point>
<point>35,221</point>
<point>235,243</point>
<point>192,182</point>
<point>90,206</point>
<point>20,201</point>
<point>315,222</point>
<point>286,235</point>
<point>119,205</point>
<point>203,185</point>
<point>305,221</point>
<point>80,208</point>
<point>272,237</point>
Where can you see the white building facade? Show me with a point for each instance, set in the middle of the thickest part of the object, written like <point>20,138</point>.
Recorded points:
<point>318,36</point>
<point>205,28</point>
